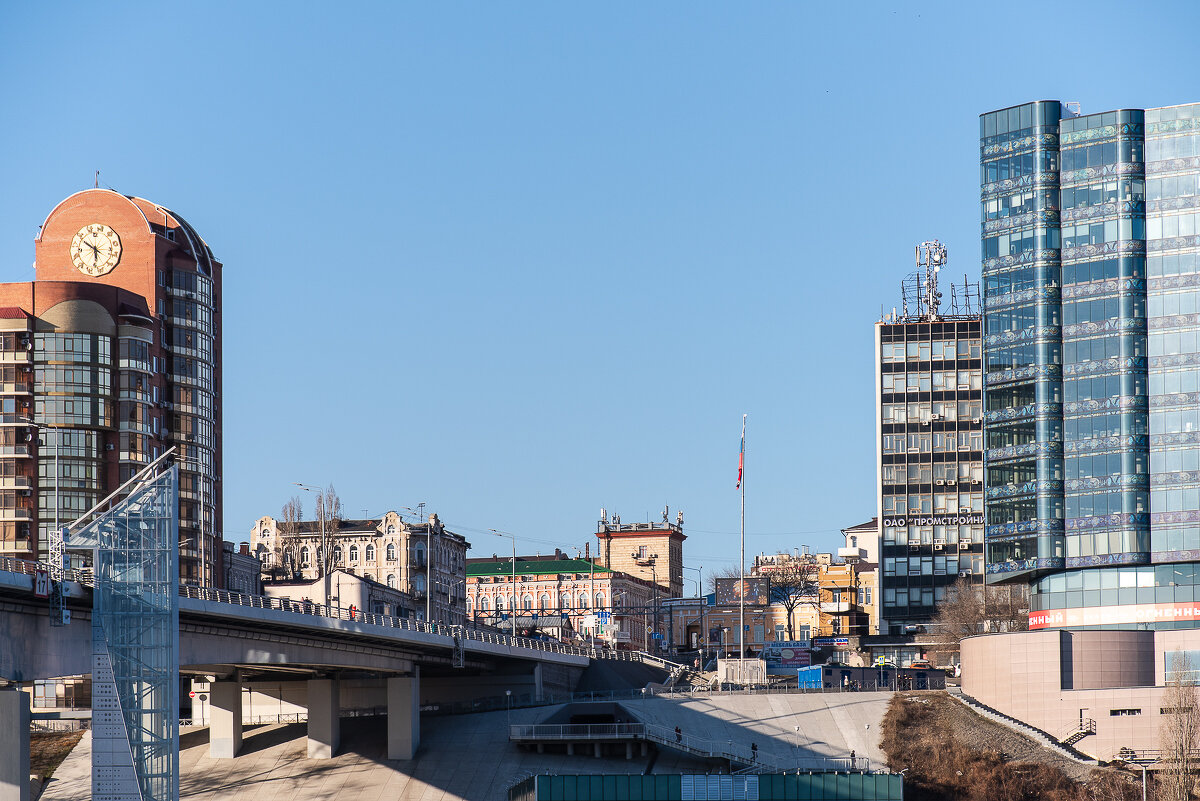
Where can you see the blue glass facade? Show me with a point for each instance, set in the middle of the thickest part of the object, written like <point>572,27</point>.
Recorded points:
<point>1093,408</point>
<point>1023,371</point>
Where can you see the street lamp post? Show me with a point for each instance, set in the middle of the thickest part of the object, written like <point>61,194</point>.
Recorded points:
<point>324,560</point>
<point>512,612</point>
<point>700,598</point>
<point>654,581</point>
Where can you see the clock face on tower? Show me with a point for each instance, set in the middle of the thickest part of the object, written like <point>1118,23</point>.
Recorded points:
<point>96,249</point>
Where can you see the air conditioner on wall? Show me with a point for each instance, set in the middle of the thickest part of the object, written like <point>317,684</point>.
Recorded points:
<point>964,572</point>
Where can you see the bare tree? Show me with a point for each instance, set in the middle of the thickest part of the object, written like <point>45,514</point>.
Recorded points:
<point>1179,731</point>
<point>329,516</point>
<point>723,573</point>
<point>289,530</point>
<point>970,609</point>
<point>795,583</point>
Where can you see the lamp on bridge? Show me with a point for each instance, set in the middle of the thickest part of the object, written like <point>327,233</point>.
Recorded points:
<point>322,513</point>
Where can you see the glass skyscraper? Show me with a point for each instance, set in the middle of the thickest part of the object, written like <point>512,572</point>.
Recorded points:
<point>1092,417</point>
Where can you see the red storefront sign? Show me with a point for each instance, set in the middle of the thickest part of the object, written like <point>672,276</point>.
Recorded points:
<point>1110,615</point>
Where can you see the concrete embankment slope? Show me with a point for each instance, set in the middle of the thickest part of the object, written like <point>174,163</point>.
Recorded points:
<point>469,756</point>
<point>831,724</point>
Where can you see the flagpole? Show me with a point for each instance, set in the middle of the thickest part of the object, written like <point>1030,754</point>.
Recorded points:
<point>742,564</point>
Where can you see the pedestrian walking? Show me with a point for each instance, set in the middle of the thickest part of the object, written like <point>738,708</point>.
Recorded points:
<point>678,735</point>
<point>753,752</point>
<point>852,760</point>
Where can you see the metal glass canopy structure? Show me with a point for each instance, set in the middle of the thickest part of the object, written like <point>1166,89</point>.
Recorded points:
<point>135,637</point>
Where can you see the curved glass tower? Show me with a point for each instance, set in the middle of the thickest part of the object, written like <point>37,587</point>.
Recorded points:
<point>1092,317</point>
<point>1023,368</point>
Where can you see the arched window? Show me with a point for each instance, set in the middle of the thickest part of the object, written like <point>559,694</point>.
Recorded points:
<point>391,580</point>
<point>583,600</point>
<point>305,556</point>
<point>499,603</point>
<point>353,554</point>
<point>564,602</point>
<point>419,584</point>
<point>544,601</point>
<point>419,554</point>
<point>599,600</point>
<point>391,529</point>
<point>484,604</point>
<point>391,552</point>
<point>337,554</point>
<point>528,602</point>
<point>469,605</point>
<point>370,553</point>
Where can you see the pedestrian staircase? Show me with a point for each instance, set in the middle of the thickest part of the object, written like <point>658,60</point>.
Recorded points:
<point>1085,727</point>
<point>1021,727</point>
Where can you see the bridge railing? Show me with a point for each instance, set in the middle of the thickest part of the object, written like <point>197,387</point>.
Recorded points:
<point>28,568</point>
<point>453,632</point>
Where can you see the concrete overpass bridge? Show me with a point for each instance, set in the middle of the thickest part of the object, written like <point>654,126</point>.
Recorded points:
<point>242,644</point>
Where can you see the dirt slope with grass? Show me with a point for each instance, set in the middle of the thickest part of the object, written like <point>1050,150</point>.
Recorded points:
<point>950,753</point>
<point>47,751</point>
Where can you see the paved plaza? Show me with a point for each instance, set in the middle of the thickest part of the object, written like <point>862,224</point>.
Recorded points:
<point>469,757</point>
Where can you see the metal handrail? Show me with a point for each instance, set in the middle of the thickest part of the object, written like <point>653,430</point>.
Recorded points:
<point>28,568</point>
<point>453,632</point>
<point>462,631</point>
<point>697,746</point>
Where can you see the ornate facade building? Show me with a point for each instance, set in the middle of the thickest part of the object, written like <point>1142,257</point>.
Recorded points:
<point>650,551</point>
<point>405,556</point>
<point>109,357</point>
<point>566,597</point>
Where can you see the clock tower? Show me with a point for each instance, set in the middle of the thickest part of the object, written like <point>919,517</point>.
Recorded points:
<point>108,358</point>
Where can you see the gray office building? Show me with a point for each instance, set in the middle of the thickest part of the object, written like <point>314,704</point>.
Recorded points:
<point>930,442</point>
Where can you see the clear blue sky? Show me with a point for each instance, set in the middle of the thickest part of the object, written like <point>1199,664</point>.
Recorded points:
<point>524,261</point>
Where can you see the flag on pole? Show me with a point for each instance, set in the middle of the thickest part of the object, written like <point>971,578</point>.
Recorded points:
<point>742,454</point>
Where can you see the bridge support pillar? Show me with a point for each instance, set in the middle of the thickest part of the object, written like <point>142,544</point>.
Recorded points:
<point>629,750</point>
<point>598,751</point>
<point>324,733</point>
<point>14,745</point>
<point>404,715</point>
<point>225,719</point>
<point>537,682</point>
